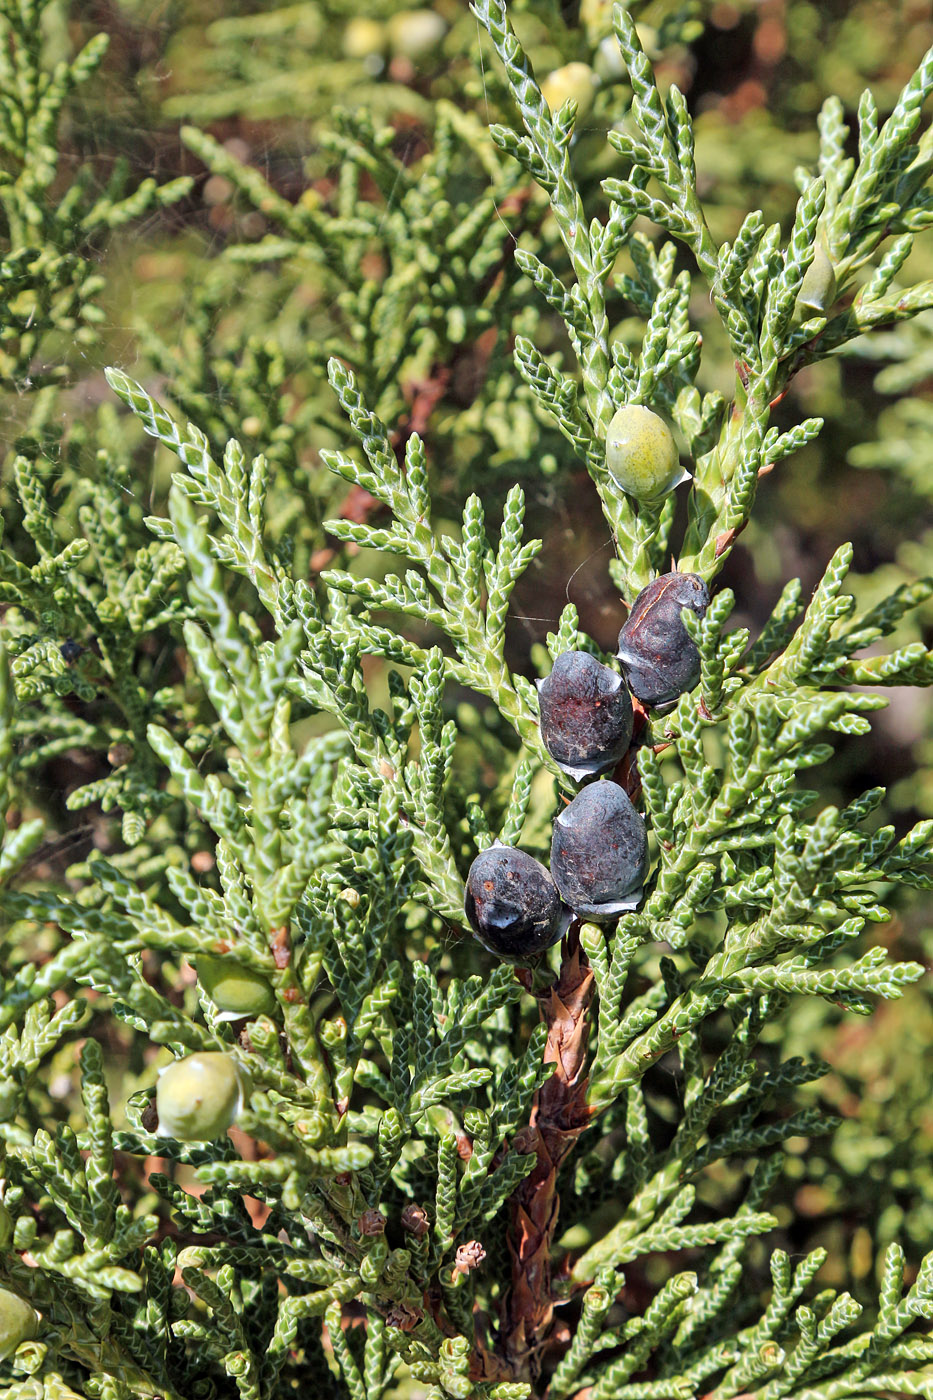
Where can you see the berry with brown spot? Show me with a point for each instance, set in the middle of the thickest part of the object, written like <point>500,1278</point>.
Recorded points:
<point>511,903</point>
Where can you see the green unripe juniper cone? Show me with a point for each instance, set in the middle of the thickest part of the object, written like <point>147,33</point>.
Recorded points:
<point>363,37</point>
<point>415,33</point>
<point>236,991</point>
<point>574,80</point>
<point>641,454</point>
<point>19,1322</point>
<point>199,1097</point>
<point>818,288</point>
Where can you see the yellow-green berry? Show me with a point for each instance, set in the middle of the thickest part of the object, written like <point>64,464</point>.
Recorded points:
<point>415,33</point>
<point>199,1097</point>
<point>576,80</point>
<point>818,288</point>
<point>235,990</point>
<point>596,17</point>
<point>363,36</point>
<point>19,1322</point>
<point>641,454</point>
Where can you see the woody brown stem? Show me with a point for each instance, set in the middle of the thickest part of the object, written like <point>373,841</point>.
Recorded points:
<point>558,1116</point>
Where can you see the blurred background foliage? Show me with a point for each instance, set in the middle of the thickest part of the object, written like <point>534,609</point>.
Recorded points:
<point>283,183</point>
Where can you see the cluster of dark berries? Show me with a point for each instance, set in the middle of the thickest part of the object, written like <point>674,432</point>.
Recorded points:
<point>599,848</point>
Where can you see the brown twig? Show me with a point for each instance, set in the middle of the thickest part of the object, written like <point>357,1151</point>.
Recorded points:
<point>626,771</point>
<point>558,1117</point>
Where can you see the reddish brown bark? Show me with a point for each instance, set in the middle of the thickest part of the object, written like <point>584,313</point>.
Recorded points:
<point>626,771</point>
<point>558,1117</point>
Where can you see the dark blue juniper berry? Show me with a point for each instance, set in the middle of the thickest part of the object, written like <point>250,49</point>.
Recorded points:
<point>586,715</point>
<point>659,660</point>
<point>599,852</point>
<point>512,905</point>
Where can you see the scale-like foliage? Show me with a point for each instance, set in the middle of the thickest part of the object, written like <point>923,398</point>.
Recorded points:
<point>48,234</point>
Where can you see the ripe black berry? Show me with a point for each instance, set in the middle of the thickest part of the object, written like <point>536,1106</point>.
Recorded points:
<point>586,714</point>
<point>599,852</point>
<point>511,903</point>
<point>658,659</point>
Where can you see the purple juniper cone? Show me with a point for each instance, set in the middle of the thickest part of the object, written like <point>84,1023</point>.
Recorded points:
<point>586,714</point>
<point>512,905</point>
<point>599,852</point>
<point>658,659</point>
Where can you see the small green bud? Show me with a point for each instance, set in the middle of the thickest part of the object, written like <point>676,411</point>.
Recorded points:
<point>24,1233</point>
<point>818,289</point>
<point>109,610</point>
<point>456,1386</point>
<point>641,454</point>
<point>454,1350</point>
<point>199,1097</point>
<point>235,990</point>
<point>333,1033</point>
<point>19,1322</point>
